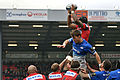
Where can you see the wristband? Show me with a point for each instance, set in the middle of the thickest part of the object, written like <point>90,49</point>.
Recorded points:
<point>72,12</point>
<point>100,65</point>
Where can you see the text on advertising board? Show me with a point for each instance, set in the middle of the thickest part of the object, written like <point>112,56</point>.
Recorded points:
<point>29,14</point>
<point>118,13</point>
<point>98,13</point>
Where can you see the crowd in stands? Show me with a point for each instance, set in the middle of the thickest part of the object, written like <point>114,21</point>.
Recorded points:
<point>18,70</point>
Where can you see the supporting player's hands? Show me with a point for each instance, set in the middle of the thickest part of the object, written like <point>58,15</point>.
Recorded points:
<point>83,70</point>
<point>87,65</point>
<point>61,46</point>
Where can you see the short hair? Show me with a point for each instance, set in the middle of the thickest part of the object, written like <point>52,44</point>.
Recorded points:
<point>83,19</point>
<point>32,69</point>
<point>75,64</point>
<point>75,33</point>
<point>55,67</point>
<point>107,64</point>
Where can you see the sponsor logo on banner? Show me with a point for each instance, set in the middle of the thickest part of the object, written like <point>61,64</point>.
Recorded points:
<point>26,15</point>
<point>81,13</point>
<point>30,14</point>
<point>97,15</point>
<point>117,13</point>
<point>110,55</point>
<point>11,14</point>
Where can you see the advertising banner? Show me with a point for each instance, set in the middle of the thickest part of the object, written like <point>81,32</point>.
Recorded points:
<point>41,15</point>
<point>110,55</point>
<point>103,15</point>
<point>14,55</point>
<point>81,13</point>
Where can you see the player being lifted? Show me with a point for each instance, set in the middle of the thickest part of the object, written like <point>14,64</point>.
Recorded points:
<point>80,48</point>
<point>80,24</point>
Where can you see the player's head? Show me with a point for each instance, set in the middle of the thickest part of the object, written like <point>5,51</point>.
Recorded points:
<point>55,67</point>
<point>32,69</point>
<point>83,19</point>
<point>107,64</point>
<point>75,65</point>
<point>76,35</point>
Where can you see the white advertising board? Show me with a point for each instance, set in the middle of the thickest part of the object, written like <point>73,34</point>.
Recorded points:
<point>103,15</point>
<point>41,15</point>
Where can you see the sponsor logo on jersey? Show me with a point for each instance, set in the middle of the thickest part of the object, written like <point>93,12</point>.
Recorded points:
<point>54,76</point>
<point>70,73</point>
<point>35,77</point>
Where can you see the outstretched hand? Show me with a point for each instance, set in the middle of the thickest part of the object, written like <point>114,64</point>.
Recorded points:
<point>61,46</point>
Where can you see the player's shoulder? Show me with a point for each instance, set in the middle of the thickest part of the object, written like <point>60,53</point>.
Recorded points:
<point>86,44</point>
<point>115,71</point>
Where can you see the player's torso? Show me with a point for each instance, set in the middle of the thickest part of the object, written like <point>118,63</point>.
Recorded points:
<point>80,49</point>
<point>84,32</point>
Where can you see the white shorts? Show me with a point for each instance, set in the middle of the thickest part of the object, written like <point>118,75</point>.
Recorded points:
<point>81,60</point>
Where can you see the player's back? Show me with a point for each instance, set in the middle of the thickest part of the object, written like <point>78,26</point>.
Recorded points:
<point>114,75</point>
<point>35,76</point>
<point>100,75</point>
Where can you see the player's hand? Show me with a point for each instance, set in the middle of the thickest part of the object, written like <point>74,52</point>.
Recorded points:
<point>61,46</point>
<point>69,11</point>
<point>83,71</point>
<point>87,65</point>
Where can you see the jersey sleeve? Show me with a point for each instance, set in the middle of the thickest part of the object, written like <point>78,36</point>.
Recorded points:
<point>90,49</point>
<point>70,40</point>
